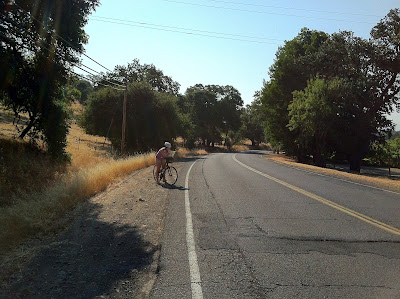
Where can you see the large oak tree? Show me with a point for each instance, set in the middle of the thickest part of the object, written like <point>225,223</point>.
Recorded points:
<point>40,41</point>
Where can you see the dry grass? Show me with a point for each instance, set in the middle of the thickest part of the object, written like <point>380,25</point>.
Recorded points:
<point>38,212</point>
<point>38,208</point>
<point>184,152</point>
<point>380,182</point>
<point>7,128</point>
<point>240,148</point>
<point>200,152</point>
<point>51,191</point>
<point>87,150</point>
<point>24,169</point>
<point>38,193</point>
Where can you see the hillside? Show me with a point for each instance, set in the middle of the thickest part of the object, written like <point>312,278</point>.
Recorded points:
<point>36,191</point>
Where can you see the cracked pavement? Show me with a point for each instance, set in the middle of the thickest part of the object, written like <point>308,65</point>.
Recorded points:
<point>257,239</point>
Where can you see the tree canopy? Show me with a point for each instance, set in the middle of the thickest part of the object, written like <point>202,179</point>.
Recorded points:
<point>137,72</point>
<point>39,43</point>
<point>329,94</point>
<point>253,123</point>
<point>214,110</point>
<point>152,117</point>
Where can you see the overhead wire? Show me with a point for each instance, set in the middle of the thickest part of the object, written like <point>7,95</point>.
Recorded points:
<point>101,79</point>
<point>73,64</point>
<point>292,8</point>
<point>96,82</point>
<point>42,45</point>
<point>99,74</point>
<point>32,17</point>
<point>264,12</point>
<point>81,76</point>
<point>99,18</point>
<point>187,33</point>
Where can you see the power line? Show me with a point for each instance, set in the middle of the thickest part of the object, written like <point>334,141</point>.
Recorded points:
<point>264,12</point>
<point>42,45</point>
<point>100,18</point>
<point>187,33</point>
<point>292,8</point>
<point>102,78</point>
<point>40,23</point>
<point>100,74</point>
<point>96,82</point>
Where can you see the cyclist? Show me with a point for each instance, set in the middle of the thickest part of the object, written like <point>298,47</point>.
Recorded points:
<point>161,155</point>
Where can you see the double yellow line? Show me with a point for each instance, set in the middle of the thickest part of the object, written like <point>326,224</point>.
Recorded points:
<point>332,204</point>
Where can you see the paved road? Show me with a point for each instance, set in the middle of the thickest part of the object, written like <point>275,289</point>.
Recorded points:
<point>265,230</point>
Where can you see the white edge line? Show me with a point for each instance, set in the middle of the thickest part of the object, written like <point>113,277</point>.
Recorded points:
<point>336,178</point>
<point>195,281</point>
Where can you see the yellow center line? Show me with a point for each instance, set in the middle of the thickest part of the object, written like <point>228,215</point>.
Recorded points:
<point>332,204</point>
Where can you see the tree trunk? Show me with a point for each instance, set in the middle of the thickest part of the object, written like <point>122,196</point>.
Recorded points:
<point>318,159</point>
<point>355,163</point>
<point>301,158</point>
<point>27,129</point>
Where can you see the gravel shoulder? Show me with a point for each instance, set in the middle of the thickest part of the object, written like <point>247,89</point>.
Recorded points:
<point>109,249</point>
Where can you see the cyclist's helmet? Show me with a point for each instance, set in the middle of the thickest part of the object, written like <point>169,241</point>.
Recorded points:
<point>167,144</point>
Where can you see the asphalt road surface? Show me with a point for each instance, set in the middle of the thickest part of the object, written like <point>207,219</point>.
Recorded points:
<point>241,226</point>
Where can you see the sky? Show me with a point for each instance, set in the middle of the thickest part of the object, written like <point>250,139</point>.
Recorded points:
<point>219,42</point>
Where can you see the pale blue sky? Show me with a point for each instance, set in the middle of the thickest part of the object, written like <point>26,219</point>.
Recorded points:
<point>249,34</point>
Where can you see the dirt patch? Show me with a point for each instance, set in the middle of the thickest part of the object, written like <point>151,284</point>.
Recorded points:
<point>109,249</point>
<point>384,182</point>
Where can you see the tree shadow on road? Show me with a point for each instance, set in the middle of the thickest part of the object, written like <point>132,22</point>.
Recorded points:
<point>91,258</point>
<point>255,152</point>
<point>189,159</point>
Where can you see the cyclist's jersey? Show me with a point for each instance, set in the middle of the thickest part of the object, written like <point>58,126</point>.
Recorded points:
<point>161,154</point>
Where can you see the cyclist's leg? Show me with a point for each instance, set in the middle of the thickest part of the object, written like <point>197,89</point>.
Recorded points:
<point>158,165</point>
<point>163,165</point>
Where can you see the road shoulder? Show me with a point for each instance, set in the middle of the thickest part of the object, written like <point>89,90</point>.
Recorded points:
<point>110,247</point>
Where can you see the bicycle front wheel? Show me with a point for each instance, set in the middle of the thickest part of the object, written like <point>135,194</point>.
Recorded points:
<point>171,175</point>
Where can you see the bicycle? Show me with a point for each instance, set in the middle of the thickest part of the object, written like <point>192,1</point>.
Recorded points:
<point>168,174</point>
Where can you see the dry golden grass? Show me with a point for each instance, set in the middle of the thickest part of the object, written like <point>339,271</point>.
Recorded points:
<point>86,150</point>
<point>7,127</point>
<point>50,194</point>
<point>200,152</point>
<point>240,148</point>
<point>179,142</point>
<point>38,212</point>
<point>77,109</point>
<point>380,182</point>
<point>24,169</point>
<point>184,152</point>
<point>247,142</point>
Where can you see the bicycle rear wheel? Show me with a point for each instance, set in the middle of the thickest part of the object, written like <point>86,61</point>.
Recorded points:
<point>171,175</point>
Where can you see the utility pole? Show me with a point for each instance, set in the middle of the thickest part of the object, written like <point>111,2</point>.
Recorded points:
<point>124,119</point>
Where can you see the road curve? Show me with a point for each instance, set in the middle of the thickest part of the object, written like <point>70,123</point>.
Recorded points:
<point>265,230</point>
